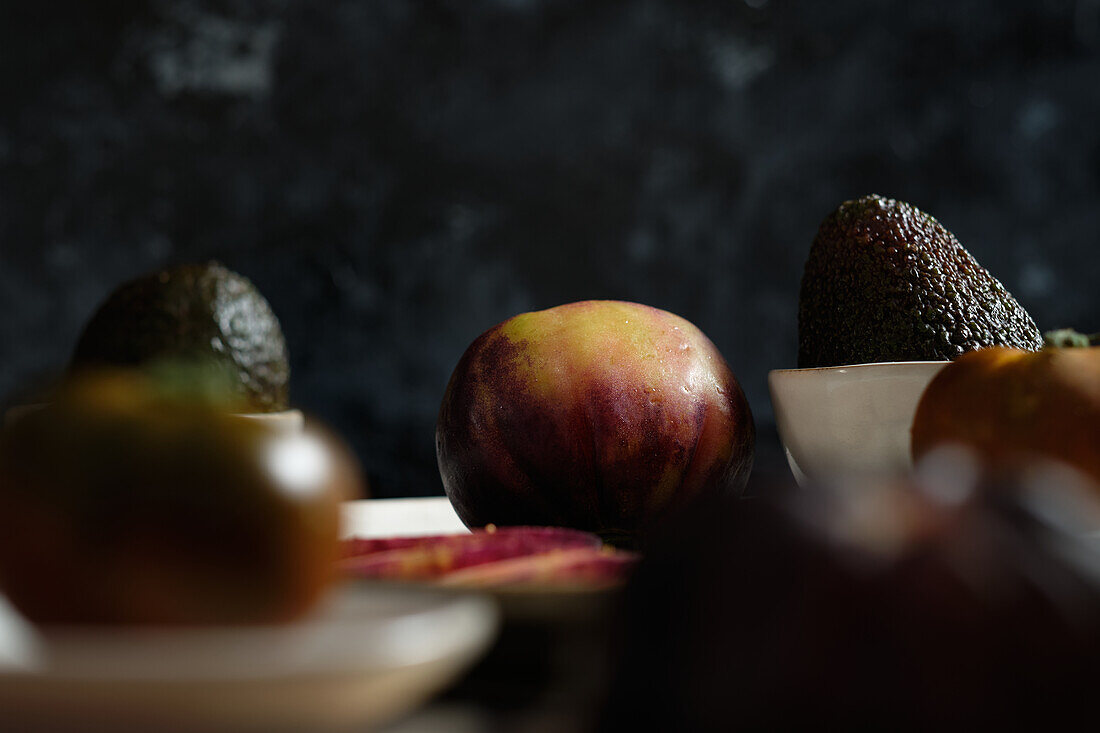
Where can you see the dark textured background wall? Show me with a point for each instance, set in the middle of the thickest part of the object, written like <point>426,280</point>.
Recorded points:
<point>399,175</point>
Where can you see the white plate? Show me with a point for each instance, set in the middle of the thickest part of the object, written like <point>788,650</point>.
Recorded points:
<point>368,655</point>
<point>374,518</point>
<point>286,420</point>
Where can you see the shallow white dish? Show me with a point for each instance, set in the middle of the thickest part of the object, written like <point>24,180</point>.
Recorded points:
<point>408,517</point>
<point>366,656</point>
<point>289,421</point>
<point>848,419</point>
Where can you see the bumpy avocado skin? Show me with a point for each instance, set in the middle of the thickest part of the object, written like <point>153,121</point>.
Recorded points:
<point>193,314</point>
<point>887,282</point>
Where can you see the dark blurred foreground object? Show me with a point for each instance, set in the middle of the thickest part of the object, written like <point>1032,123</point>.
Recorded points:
<point>936,605</point>
<point>121,502</point>
<point>887,282</point>
<point>203,314</point>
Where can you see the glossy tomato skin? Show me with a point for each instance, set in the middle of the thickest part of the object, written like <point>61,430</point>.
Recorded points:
<point>120,506</point>
<point>603,416</point>
<point>1012,405</point>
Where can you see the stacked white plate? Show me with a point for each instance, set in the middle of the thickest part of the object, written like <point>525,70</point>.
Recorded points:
<point>366,656</point>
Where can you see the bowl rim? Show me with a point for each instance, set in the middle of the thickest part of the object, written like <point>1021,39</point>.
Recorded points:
<point>864,365</point>
<point>15,411</point>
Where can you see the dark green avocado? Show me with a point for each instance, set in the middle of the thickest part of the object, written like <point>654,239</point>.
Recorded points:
<point>887,282</point>
<point>203,315</point>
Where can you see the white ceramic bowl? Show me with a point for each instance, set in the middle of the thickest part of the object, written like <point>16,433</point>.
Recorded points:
<point>848,420</point>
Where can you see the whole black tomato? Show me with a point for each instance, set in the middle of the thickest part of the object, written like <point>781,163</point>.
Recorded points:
<point>122,504</point>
